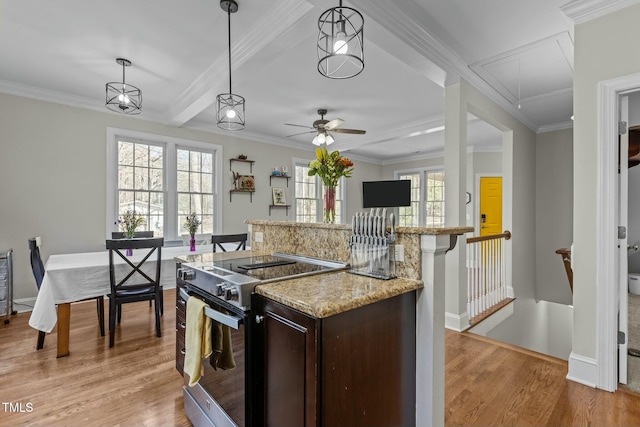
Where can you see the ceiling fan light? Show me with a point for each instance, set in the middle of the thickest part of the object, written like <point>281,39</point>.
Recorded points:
<point>315,141</point>
<point>329,139</point>
<point>121,97</point>
<point>340,38</point>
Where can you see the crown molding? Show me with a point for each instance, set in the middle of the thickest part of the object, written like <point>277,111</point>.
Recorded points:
<point>585,10</point>
<point>557,126</point>
<point>47,95</point>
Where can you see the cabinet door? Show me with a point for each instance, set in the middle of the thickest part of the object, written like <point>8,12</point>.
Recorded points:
<point>289,364</point>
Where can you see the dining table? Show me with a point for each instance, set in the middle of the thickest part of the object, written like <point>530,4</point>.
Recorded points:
<point>77,276</point>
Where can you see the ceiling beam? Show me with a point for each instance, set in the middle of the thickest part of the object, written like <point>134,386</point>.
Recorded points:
<point>202,93</point>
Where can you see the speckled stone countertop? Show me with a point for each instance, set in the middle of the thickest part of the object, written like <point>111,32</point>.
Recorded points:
<point>325,295</point>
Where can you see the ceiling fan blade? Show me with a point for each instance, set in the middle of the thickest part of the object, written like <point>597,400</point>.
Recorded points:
<point>302,133</point>
<point>355,131</point>
<point>332,124</point>
<point>301,126</point>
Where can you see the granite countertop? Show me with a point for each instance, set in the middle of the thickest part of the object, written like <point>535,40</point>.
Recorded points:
<point>325,295</point>
<point>320,295</point>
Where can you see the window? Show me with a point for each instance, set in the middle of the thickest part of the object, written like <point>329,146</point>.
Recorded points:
<point>164,179</point>
<point>427,199</point>
<point>141,182</point>
<point>308,193</point>
<point>195,188</point>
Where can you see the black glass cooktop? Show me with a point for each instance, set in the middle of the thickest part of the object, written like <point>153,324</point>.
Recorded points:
<point>266,267</point>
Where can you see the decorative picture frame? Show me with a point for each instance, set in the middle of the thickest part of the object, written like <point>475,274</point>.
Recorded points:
<point>279,197</point>
<point>247,183</point>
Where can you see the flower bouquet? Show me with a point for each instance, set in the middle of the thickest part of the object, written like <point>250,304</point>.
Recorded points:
<point>128,223</point>
<point>330,167</point>
<point>192,223</point>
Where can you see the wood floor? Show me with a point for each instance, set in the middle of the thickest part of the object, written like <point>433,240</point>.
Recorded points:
<point>135,383</point>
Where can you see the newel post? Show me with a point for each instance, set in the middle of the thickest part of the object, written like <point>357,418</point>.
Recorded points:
<point>430,330</point>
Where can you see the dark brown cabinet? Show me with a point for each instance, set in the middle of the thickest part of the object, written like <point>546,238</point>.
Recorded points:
<point>356,368</point>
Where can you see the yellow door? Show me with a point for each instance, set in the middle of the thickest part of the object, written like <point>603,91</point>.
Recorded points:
<point>490,206</point>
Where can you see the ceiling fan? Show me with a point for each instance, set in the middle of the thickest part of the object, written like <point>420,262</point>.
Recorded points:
<point>324,128</point>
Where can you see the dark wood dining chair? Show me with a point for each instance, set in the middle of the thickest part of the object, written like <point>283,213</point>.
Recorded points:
<point>38,273</point>
<point>140,234</point>
<point>219,239</point>
<point>133,284</point>
<point>120,234</point>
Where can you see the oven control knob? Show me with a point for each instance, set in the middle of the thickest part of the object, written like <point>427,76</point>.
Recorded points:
<point>231,293</point>
<point>185,274</point>
<point>220,288</point>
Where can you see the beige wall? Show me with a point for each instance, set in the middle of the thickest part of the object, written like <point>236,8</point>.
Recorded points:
<point>602,52</point>
<point>53,170</point>
<point>554,213</point>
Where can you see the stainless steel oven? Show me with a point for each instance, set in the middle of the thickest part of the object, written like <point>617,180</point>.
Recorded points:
<point>223,397</point>
<point>219,398</point>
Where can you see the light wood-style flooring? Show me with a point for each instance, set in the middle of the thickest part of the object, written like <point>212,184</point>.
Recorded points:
<point>135,383</point>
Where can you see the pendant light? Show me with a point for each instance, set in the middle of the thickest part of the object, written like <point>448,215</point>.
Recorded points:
<point>121,97</point>
<point>230,107</point>
<point>340,52</point>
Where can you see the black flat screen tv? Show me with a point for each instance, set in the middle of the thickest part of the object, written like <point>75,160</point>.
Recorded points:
<point>386,194</point>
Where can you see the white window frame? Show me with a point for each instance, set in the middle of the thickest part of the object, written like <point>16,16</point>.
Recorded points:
<point>319,196</point>
<point>170,144</point>
<point>423,189</point>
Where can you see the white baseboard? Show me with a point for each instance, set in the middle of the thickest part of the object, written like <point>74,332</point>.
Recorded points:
<point>583,370</point>
<point>24,305</point>
<point>456,322</point>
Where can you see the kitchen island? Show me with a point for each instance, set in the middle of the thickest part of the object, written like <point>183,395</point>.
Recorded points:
<point>337,349</point>
<point>424,260</point>
<point>335,319</point>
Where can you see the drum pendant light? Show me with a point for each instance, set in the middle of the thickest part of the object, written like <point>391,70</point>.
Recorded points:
<point>340,52</point>
<point>121,97</point>
<point>229,106</point>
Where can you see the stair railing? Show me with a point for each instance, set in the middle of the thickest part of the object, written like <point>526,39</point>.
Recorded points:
<point>486,284</point>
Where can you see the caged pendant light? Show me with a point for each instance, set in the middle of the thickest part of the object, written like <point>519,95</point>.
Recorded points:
<point>340,52</point>
<point>229,106</point>
<point>122,97</point>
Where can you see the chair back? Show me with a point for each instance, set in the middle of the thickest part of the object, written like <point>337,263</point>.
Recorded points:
<point>120,234</point>
<point>141,279</point>
<point>36,261</point>
<point>218,239</point>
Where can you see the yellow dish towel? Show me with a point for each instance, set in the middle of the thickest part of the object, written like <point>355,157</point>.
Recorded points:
<point>198,339</point>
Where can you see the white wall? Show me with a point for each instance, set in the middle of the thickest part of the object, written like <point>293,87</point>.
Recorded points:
<point>53,170</point>
<point>554,213</point>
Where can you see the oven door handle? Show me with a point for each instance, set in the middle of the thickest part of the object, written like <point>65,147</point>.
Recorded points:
<point>226,319</point>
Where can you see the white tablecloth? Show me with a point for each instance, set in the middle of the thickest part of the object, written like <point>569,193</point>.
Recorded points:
<point>74,277</point>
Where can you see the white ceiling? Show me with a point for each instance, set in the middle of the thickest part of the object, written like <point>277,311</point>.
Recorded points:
<point>519,53</point>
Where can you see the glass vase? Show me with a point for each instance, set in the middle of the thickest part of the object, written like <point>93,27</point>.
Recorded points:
<point>329,204</point>
<point>192,243</point>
